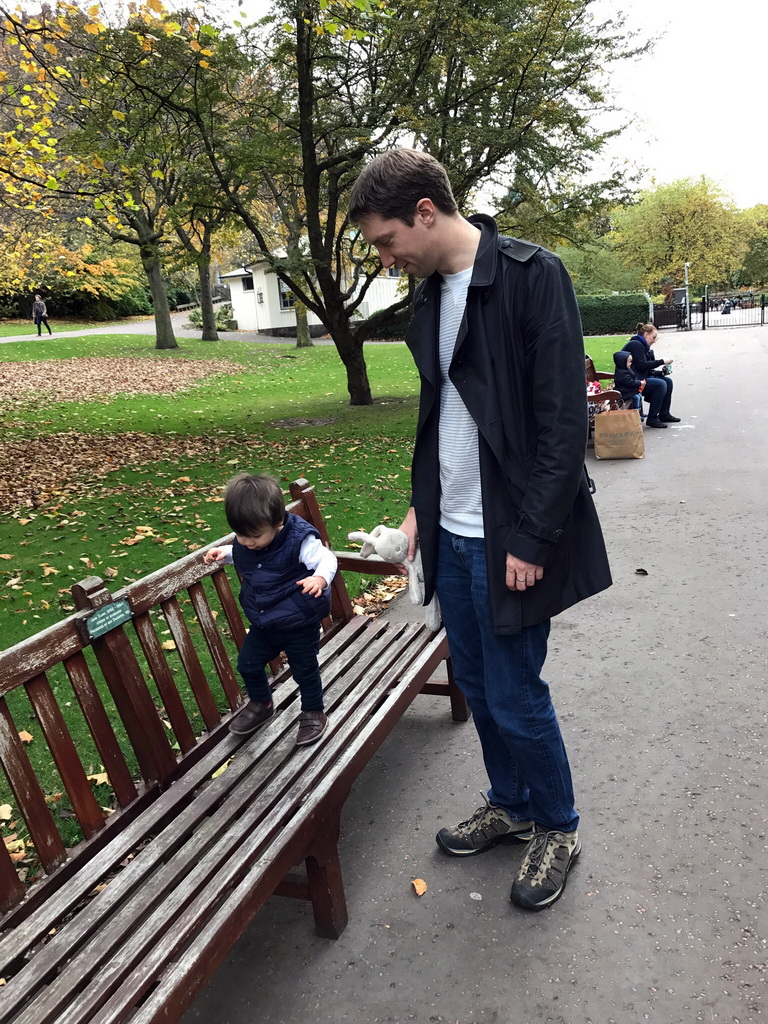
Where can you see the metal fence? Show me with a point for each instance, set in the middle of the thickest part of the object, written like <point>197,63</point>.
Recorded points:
<point>733,309</point>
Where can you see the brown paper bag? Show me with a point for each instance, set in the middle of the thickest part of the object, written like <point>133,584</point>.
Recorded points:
<point>619,435</point>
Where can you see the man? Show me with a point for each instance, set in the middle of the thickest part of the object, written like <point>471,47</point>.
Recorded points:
<point>500,499</point>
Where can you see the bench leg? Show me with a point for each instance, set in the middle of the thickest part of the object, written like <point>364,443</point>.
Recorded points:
<point>326,888</point>
<point>459,708</point>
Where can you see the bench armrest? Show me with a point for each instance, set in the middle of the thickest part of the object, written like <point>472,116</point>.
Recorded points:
<point>352,561</point>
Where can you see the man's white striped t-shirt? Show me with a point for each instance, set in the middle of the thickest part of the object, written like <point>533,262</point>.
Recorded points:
<point>461,509</point>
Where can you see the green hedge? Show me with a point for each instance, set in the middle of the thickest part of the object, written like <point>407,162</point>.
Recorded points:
<point>600,314</point>
<point>612,314</point>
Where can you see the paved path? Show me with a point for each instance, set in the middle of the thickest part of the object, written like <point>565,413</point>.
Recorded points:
<point>661,689</point>
<point>148,327</point>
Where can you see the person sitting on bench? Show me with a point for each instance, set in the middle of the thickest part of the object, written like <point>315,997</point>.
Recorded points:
<point>658,387</point>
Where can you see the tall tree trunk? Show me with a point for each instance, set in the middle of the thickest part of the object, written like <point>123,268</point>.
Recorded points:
<point>303,339</point>
<point>206,296</point>
<point>163,326</point>
<point>351,352</point>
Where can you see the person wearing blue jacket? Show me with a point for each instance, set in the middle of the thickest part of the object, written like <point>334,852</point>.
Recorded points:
<point>658,388</point>
<point>286,574</point>
<point>629,385</point>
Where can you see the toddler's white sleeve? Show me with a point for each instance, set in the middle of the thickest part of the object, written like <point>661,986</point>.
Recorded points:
<point>319,559</point>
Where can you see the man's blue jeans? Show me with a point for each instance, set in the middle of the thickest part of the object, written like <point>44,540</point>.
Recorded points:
<point>519,734</point>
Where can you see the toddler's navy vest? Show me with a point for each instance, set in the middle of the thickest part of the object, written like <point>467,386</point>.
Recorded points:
<point>269,595</point>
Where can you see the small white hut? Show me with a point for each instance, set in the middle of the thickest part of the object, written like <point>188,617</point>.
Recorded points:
<point>261,302</point>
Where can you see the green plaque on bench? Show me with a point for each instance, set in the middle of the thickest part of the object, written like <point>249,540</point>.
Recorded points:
<point>106,618</point>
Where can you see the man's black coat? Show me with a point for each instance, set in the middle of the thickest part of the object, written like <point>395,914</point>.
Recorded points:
<point>518,365</point>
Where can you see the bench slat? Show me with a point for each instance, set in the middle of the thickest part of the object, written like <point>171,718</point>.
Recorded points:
<point>211,843</point>
<point>12,889</point>
<point>29,795</point>
<point>215,645</point>
<point>101,729</point>
<point>163,677</point>
<point>134,704</point>
<point>229,606</point>
<point>39,653</point>
<point>191,662</point>
<point>62,747</point>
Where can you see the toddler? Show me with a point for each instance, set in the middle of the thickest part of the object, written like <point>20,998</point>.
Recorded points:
<point>286,574</point>
<point>629,384</point>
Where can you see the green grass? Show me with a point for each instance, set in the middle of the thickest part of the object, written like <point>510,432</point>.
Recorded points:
<point>602,349</point>
<point>12,328</point>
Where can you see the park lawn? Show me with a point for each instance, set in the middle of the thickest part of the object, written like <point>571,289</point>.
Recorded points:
<point>602,348</point>
<point>257,419</point>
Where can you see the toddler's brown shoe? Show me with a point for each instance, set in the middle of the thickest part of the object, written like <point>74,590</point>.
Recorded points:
<point>312,725</point>
<point>251,718</point>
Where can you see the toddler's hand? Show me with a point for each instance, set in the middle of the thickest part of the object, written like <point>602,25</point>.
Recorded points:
<point>214,555</point>
<point>313,585</point>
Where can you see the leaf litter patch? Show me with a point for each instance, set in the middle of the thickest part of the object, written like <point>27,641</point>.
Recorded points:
<point>71,380</point>
<point>303,421</point>
<point>36,471</point>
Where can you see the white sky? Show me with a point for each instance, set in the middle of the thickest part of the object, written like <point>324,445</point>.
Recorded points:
<point>699,99</point>
<point>697,103</point>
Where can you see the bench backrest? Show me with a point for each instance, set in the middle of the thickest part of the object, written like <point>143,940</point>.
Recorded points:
<point>113,658</point>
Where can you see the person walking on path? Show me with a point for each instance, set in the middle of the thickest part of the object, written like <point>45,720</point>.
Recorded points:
<point>501,505</point>
<point>658,386</point>
<point>40,315</point>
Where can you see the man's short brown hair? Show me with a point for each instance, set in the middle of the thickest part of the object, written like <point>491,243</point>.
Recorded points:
<point>393,183</point>
<point>252,503</point>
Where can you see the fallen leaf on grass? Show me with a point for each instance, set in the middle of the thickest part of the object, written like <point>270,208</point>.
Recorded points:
<point>17,849</point>
<point>6,812</point>
<point>6,557</point>
<point>419,886</point>
<point>25,736</point>
<point>100,779</point>
<point>168,645</point>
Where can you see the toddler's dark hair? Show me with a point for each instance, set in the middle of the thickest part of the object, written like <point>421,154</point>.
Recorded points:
<point>252,503</point>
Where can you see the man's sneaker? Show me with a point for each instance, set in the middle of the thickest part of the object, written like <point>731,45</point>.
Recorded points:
<point>488,826</point>
<point>544,870</point>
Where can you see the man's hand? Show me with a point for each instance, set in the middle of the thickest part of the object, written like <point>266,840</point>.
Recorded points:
<point>409,528</point>
<point>520,574</point>
<point>313,585</point>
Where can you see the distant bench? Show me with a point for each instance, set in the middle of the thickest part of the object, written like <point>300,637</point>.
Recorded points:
<point>132,922</point>
<point>184,306</point>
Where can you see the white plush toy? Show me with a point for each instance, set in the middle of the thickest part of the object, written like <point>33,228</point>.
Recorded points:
<point>392,546</point>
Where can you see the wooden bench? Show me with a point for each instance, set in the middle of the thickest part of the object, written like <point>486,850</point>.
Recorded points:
<point>131,922</point>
